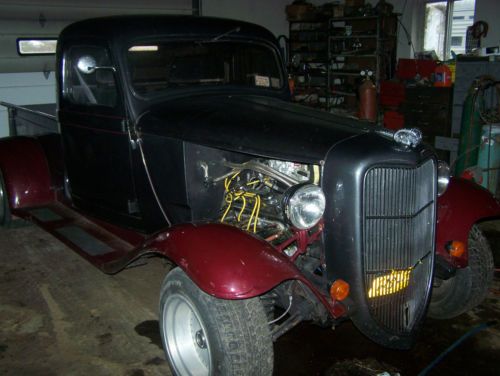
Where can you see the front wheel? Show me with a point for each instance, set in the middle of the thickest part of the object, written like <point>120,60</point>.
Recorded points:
<point>203,335</point>
<point>469,286</point>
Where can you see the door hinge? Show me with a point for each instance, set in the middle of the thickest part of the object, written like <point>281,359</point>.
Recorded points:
<point>132,135</point>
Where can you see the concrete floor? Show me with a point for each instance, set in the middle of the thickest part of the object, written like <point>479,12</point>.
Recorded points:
<point>61,316</point>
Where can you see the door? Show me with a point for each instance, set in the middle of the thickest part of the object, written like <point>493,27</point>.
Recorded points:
<point>95,139</point>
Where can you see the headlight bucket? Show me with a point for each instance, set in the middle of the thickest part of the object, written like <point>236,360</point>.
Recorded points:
<point>304,205</point>
<point>443,177</point>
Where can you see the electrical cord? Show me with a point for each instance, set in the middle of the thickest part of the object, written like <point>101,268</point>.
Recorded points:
<point>290,299</point>
<point>484,83</point>
<point>150,180</point>
<point>489,121</point>
<point>455,344</point>
<point>408,37</point>
<point>404,7</point>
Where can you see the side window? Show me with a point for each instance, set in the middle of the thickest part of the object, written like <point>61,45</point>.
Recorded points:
<point>89,78</point>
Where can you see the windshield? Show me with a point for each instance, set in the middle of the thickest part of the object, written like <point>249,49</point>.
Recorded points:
<point>159,67</point>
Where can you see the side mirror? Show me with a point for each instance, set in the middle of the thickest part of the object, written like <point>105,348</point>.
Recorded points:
<point>86,64</point>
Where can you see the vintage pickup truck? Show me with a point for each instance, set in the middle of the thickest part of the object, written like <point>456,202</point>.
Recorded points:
<point>174,137</point>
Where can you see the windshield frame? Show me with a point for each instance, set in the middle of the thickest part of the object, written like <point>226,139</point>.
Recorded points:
<point>195,89</point>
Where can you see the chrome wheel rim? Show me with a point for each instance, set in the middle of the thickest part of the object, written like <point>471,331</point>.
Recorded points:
<point>443,290</point>
<point>185,337</point>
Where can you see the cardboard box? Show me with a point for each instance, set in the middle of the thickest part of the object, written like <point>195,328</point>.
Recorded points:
<point>338,11</point>
<point>300,12</point>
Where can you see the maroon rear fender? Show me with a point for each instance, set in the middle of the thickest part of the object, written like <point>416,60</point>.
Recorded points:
<point>463,204</point>
<point>224,261</point>
<point>25,172</point>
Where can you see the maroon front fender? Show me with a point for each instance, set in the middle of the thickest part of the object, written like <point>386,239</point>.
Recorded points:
<point>25,172</point>
<point>224,261</point>
<point>463,204</point>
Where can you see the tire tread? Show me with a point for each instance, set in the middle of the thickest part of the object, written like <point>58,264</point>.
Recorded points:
<point>241,326</point>
<point>470,285</point>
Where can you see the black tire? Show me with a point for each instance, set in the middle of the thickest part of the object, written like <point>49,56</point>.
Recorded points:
<point>5,216</point>
<point>218,337</point>
<point>469,286</point>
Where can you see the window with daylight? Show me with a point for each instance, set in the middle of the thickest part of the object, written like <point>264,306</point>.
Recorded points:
<point>446,25</point>
<point>456,41</point>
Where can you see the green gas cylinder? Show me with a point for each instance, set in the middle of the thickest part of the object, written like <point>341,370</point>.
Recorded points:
<point>470,130</point>
<point>489,156</point>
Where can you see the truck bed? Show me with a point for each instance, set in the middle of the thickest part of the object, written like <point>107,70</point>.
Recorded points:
<point>31,120</point>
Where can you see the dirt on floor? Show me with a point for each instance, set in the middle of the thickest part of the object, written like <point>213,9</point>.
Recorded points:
<point>61,316</point>
<point>345,351</point>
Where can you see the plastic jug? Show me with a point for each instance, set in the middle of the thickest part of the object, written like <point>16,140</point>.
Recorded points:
<point>442,76</point>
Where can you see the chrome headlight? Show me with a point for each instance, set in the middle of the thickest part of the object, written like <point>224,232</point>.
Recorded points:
<point>408,137</point>
<point>443,178</point>
<point>304,205</point>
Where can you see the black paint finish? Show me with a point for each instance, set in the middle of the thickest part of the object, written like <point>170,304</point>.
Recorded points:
<point>188,126</point>
<point>345,168</point>
<point>263,126</point>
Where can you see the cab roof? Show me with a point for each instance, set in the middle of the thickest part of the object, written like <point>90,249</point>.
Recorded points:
<point>128,28</point>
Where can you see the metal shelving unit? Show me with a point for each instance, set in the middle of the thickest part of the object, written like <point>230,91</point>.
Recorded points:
<point>327,56</point>
<point>356,44</point>
<point>308,57</point>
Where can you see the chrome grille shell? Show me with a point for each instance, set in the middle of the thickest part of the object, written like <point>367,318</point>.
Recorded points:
<point>350,169</point>
<point>398,235</point>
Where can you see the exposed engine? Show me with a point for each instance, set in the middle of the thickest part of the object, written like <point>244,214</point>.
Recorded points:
<point>275,200</point>
<point>280,202</point>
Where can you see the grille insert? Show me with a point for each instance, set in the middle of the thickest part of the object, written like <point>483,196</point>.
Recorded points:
<point>398,236</point>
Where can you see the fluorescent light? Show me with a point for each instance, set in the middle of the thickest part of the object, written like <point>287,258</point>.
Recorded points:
<point>143,48</point>
<point>36,46</point>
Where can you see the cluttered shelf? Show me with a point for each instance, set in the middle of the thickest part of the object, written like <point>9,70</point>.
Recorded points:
<point>334,49</point>
<point>361,36</point>
<point>355,18</point>
<point>356,59</point>
<point>342,93</point>
<point>352,54</point>
<point>344,73</point>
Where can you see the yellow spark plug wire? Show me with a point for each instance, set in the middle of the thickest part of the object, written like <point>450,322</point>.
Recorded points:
<point>231,195</point>
<point>229,201</point>
<point>241,195</point>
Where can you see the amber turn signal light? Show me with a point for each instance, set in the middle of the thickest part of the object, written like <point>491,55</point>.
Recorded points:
<point>456,248</point>
<point>339,290</point>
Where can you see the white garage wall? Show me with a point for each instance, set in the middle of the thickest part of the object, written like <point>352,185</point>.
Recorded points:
<point>413,18</point>
<point>268,13</point>
<point>271,14</point>
<point>22,18</point>
<point>489,11</point>
<point>46,18</point>
<point>21,77</point>
<point>24,88</point>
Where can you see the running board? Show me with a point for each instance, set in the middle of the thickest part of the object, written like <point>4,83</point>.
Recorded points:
<point>99,246</point>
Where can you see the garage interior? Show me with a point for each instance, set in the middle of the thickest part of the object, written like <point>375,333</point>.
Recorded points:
<point>432,65</point>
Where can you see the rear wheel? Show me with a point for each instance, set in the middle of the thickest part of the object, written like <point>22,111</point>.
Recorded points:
<point>203,335</point>
<point>5,216</point>
<point>469,286</point>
